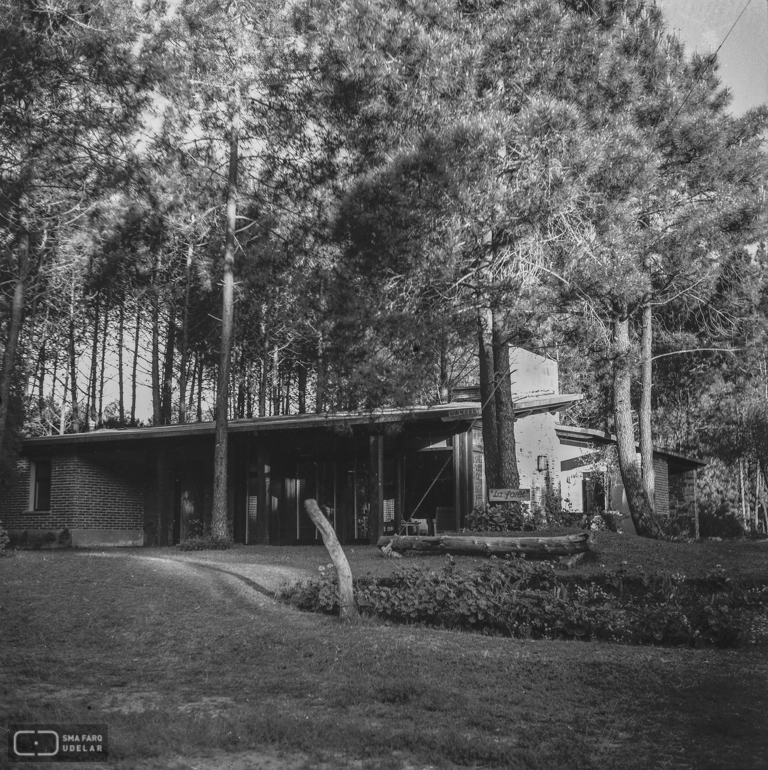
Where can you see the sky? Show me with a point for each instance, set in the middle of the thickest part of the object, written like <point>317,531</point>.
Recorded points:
<point>704,24</point>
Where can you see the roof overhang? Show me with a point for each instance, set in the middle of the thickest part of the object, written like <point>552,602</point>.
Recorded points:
<point>542,404</point>
<point>455,412</point>
<point>586,437</point>
<point>420,415</point>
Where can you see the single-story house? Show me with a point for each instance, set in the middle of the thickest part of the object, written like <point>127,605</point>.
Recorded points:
<point>155,485</point>
<point>368,471</point>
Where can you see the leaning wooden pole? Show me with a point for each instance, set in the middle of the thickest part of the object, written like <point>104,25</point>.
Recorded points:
<point>348,612</point>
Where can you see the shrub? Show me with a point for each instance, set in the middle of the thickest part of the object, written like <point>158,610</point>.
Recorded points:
<point>5,542</point>
<point>518,598</point>
<point>38,539</point>
<point>506,517</point>
<point>205,542</point>
<point>600,521</point>
<point>719,522</point>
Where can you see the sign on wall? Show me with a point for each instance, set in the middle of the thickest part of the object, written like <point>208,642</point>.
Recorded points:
<point>509,495</point>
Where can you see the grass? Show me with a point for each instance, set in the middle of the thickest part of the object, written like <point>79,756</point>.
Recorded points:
<point>190,667</point>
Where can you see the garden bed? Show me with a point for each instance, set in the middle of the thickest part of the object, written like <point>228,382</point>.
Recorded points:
<point>518,598</point>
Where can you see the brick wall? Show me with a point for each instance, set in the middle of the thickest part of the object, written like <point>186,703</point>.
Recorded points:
<point>14,495</point>
<point>101,491</point>
<point>478,467</point>
<point>682,493</point>
<point>661,488</point>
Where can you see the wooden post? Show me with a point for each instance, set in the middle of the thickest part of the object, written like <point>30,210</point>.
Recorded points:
<point>347,608</point>
<point>263,504</point>
<point>376,488</point>
<point>458,445</point>
<point>399,467</point>
<point>164,501</point>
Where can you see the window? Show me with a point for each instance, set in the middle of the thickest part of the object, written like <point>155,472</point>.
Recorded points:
<point>40,486</point>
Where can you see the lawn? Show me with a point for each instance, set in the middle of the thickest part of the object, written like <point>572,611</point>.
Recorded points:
<point>191,667</point>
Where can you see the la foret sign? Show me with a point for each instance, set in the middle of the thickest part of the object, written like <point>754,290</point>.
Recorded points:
<point>509,495</point>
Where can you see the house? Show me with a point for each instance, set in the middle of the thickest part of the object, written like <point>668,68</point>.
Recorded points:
<point>590,480</point>
<point>575,467</point>
<point>368,471</point>
<point>155,485</point>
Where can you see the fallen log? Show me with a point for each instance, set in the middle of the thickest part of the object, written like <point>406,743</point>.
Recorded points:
<point>469,545</point>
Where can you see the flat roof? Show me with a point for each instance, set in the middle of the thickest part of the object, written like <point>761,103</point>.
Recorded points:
<point>441,412</point>
<point>592,436</point>
<point>457,411</point>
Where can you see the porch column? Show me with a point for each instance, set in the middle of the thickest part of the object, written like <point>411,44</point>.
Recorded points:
<point>399,485</point>
<point>164,502</point>
<point>263,499</point>
<point>376,488</point>
<point>463,496</point>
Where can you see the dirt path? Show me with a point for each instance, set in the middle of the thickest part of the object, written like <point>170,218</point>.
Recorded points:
<point>255,583</point>
<point>256,586</point>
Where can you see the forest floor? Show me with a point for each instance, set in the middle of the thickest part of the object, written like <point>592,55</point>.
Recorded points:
<point>194,665</point>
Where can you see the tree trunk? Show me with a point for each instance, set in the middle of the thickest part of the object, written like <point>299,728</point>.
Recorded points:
<point>286,388</point>
<point>120,379</point>
<point>264,374</point>
<point>73,368</point>
<point>100,413</point>
<point>275,380</point>
<point>54,375</point>
<point>534,547</point>
<point>509,478</point>
<point>63,416</point>
<point>444,386</point>
<point>201,363</point>
<point>248,390</point>
<point>219,524</point>
<point>646,383</point>
<point>40,366</point>
<point>16,318</point>
<point>320,380</point>
<point>242,384</point>
<point>135,362</point>
<point>90,402</point>
<point>157,415</point>
<point>27,367</point>
<point>166,410</point>
<point>302,386</point>
<point>640,507</point>
<point>185,337</point>
<point>41,378</point>
<point>347,607</point>
<point>488,401</point>
<point>744,517</point>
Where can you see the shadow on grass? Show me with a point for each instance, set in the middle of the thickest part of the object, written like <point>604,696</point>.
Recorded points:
<point>180,665</point>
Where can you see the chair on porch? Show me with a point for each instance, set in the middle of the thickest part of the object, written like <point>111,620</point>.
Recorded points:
<point>444,519</point>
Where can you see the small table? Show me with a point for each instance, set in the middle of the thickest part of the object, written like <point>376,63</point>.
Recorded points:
<point>409,527</point>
